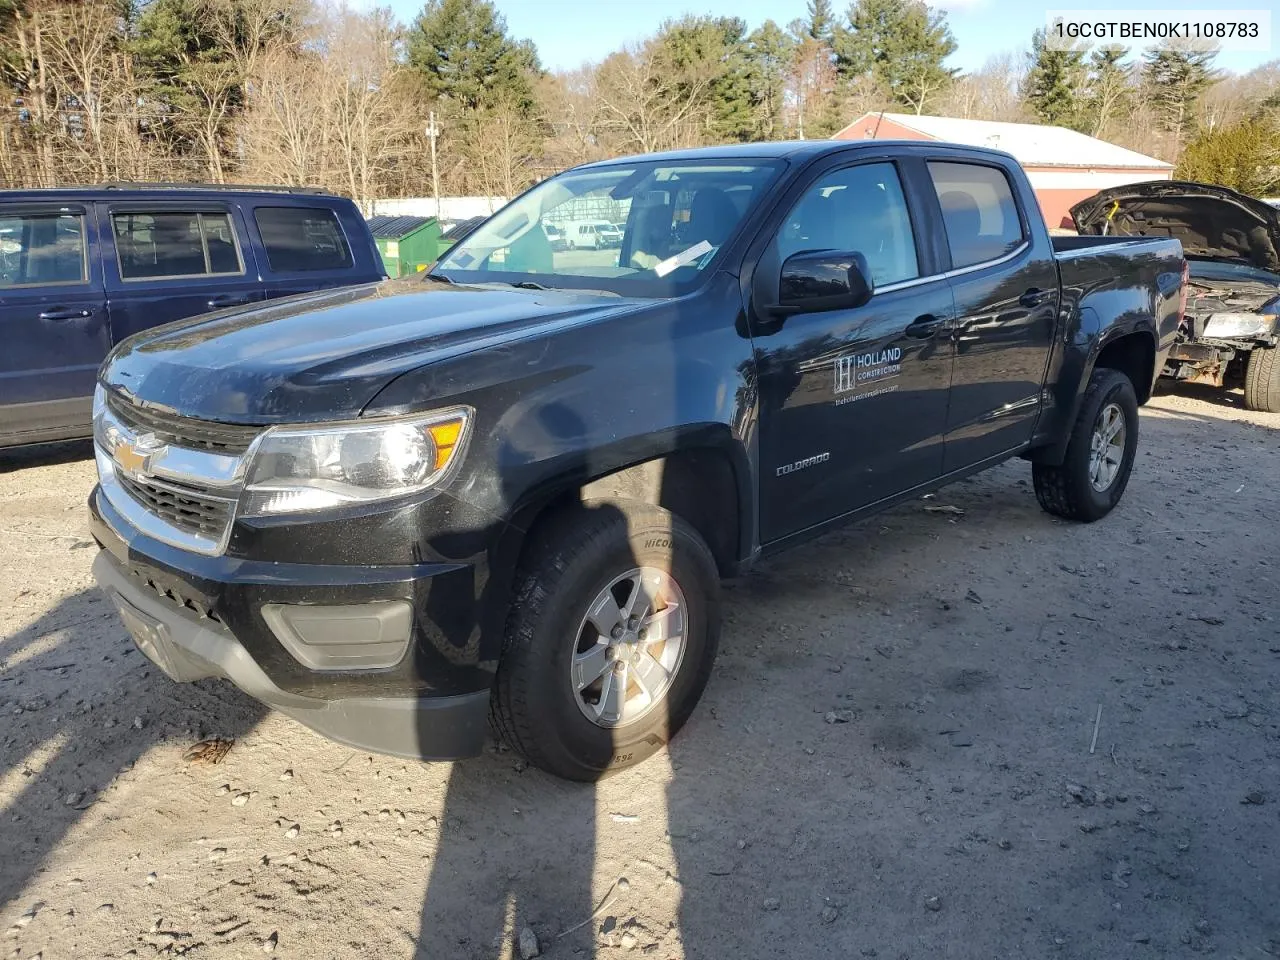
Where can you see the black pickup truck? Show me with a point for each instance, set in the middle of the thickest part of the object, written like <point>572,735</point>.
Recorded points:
<point>508,489</point>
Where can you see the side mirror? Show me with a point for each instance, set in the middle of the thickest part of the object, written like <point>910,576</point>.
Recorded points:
<point>817,280</point>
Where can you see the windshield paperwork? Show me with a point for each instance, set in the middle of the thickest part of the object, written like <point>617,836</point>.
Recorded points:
<point>642,229</point>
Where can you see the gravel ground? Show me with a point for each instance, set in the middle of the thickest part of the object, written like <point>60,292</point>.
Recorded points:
<point>892,760</point>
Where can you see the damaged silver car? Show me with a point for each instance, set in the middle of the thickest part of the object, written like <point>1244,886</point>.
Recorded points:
<point>1231,330</point>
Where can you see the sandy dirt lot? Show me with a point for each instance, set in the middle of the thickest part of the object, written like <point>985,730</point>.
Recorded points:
<point>892,759</point>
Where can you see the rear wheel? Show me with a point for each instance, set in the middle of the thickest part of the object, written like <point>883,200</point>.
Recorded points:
<point>1104,441</point>
<point>1262,380</point>
<point>610,641</point>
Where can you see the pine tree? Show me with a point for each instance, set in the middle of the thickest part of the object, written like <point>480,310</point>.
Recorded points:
<point>902,44</point>
<point>770,54</point>
<point>1110,90</point>
<point>821,23</point>
<point>1174,78</point>
<point>1242,156</point>
<point>461,50</point>
<point>712,52</point>
<point>1055,84</point>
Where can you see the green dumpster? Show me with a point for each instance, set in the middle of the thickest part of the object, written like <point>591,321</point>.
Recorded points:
<point>407,244</point>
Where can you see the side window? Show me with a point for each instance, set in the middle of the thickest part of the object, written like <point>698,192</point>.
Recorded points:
<point>978,210</point>
<point>41,249</point>
<point>157,245</point>
<point>302,238</point>
<point>859,209</point>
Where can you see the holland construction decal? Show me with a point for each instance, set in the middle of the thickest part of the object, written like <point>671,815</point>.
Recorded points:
<point>813,461</point>
<point>862,375</point>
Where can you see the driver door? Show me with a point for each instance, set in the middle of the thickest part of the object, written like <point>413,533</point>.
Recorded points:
<point>853,402</point>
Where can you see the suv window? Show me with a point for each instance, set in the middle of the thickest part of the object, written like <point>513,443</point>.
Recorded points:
<point>41,249</point>
<point>859,209</point>
<point>156,245</point>
<point>978,210</point>
<point>302,238</point>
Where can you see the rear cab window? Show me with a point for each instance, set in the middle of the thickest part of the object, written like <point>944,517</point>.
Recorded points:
<point>42,249</point>
<point>299,239</point>
<point>979,212</point>
<point>167,244</point>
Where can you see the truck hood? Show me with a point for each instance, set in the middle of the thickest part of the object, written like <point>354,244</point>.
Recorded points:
<point>324,356</point>
<point>1213,223</point>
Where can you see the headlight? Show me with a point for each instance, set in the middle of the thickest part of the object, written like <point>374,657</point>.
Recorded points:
<point>1238,326</point>
<point>300,469</point>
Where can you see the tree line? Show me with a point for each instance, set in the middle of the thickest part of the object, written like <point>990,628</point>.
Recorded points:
<point>303,92</point>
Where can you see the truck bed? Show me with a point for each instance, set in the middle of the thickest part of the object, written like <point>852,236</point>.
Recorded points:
<point>1068,246</point>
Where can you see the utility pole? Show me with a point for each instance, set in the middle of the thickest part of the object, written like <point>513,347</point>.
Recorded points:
<point>433,132</point>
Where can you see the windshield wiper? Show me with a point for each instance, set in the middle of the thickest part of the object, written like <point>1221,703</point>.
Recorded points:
<point>443,278</point>
<point>530,285</point>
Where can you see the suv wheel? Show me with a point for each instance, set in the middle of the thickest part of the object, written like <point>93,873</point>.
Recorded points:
<point>610,641</point>
<point>1262,380</point>
<point>1104,441</point>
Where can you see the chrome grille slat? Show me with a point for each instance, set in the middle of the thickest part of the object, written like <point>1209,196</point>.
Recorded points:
<point>223,438</point>
<point>190,511</point>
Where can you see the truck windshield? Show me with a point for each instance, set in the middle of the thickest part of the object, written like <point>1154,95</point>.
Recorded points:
<point>676,216</point>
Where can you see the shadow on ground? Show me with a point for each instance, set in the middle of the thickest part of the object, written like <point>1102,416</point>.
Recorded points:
<point>78,713</point>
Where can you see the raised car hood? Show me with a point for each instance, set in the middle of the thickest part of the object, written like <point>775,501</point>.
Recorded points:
<point>1213,223</point>
<point>326,355</point>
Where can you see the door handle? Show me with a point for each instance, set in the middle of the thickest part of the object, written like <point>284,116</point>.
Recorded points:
<point>65,313</point>
<point>228,300</point>
<point>1034,297</point>
<point>923,327</point>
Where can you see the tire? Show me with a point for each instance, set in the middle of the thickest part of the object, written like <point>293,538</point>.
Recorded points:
<point>1068,490</point>
<point>537,706</point>
<point>1262,380</point>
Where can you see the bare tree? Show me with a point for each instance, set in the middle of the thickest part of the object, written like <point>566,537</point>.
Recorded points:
<point>501,145</point>
<point>812,89</point>
<point>284,129</point>
<point>366,127</point>
<point>649,103</point>
<point>989,93</point>
<point>571,108</point>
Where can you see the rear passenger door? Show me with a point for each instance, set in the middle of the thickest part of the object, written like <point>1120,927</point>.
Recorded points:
<point>1005,283</point>
<point>167,261</point>
<point>53,319</point>
<point>304,249</point>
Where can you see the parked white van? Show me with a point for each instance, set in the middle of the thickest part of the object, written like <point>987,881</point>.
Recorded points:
<point>593,234</point>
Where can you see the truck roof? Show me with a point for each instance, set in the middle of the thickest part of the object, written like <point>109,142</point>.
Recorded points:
<point>791,149</point>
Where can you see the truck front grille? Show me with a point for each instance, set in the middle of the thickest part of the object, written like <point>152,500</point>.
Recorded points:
<point>229,439</point>
<point>188,509</point>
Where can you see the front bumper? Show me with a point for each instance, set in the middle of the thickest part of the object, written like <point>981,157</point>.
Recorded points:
<point>199,616</point>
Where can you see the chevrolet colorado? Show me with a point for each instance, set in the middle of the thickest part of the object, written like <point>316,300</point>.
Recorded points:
<point>508,489</point>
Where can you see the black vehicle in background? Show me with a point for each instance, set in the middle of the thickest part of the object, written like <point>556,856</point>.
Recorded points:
<point>509,487</point>
<point>1231,332</point>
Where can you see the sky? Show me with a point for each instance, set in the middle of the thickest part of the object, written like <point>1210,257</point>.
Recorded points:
<point>570,32</point>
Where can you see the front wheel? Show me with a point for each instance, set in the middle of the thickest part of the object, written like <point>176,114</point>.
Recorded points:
<point>1262,380</point>
<point>610,640</point>
<point>1104,441</point>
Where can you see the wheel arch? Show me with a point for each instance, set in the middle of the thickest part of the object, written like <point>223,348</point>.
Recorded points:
<point>1130,348</point>
<point>707,483</point>
<point>1133,353</point>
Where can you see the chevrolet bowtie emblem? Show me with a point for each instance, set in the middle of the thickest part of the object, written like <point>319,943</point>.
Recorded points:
<point>135,456</point>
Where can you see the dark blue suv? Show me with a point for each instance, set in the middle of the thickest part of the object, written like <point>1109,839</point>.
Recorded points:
<point>83,268</point>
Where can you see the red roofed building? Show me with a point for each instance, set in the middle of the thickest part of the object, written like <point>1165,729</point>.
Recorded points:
<point>1063,166</point>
